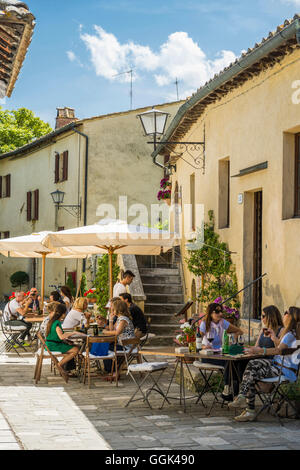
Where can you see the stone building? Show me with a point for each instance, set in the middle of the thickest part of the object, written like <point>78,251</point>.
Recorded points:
<point>249,118</point>
<point>93,162</point>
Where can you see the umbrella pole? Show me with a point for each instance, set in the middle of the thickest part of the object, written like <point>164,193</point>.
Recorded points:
<point>110,259</point>
<point>43,279</point>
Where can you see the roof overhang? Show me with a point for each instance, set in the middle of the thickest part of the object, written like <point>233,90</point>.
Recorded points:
<point>264,55</point>
<point>16,29</point>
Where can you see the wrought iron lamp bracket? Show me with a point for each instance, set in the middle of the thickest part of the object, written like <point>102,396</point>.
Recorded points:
<point>72,209</point>
<point>193,153</point>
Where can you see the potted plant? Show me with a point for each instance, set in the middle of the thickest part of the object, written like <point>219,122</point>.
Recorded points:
<point>91,295</point>
<point>187,337</point>
<point>165,192</point>
<point>230,314</point>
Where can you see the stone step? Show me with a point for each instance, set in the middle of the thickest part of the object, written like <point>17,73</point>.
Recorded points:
<point>165,318</point>
<point>162,308</point>
<point>164,298</point>
<point>162,289</point>
<point>159,272</point>
<point>157,280</point>
<point>161,340</point>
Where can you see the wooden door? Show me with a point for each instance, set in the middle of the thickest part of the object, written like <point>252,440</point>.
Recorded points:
<point>257,254</point>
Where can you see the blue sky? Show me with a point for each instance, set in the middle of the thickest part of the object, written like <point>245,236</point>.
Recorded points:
<point>78,47</point>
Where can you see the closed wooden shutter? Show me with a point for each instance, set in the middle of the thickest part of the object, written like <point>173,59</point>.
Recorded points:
<point>65,165</point>
<point>56,177</point>
<point>0,186</point>
<point>6,235</point>
<point>36,205</point>
<point>29,201</point>
<point>7,181</point>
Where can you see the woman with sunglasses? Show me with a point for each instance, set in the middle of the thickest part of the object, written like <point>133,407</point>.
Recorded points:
<point>258,369</point>
<point>212,329</point>
<point>269,336</point>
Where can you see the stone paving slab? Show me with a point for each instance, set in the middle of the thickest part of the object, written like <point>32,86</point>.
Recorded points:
<point>95,418</point>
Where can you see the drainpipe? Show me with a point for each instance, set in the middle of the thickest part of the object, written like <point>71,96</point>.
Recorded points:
<point>85,182</point>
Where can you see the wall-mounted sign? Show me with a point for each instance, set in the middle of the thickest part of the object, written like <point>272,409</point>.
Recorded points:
<point>240,199</point>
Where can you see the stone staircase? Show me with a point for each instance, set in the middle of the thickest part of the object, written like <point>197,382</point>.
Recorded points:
<point>164,292</point>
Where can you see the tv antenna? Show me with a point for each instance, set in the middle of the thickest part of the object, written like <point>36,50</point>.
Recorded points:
<point>176,83</point>
<point>131,83</point>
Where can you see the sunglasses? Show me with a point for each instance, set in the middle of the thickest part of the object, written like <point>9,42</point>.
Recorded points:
<point>286,313</point>
<point>263,316</point>
<point>217,311</point>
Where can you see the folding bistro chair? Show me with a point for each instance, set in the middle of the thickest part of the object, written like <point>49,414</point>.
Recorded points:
<point>88,357</point>
<point>149,369</point>
<point>207,371</point>
<point>131,348</point>
<point>11,335</point>
<point>275,397</point>
<point>44,353</point>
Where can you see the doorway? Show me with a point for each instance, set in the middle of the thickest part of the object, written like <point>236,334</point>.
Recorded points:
<point>252,253</point>
<point>257,254</point>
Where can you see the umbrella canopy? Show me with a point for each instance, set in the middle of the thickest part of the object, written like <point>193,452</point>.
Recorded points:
<point>112,236</point>
<point>31,246</point>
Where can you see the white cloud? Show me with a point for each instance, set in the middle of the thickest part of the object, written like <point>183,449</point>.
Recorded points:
<point>71,56</point>
<point>179,57</point>
<point>292,2</point>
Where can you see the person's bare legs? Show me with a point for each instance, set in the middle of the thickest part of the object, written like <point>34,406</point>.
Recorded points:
<point>70,355</point>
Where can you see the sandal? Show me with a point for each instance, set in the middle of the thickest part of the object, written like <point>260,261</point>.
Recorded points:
<point>63,373</point>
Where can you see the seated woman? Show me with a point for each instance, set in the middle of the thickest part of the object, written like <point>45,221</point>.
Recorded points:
<point>272,325</point>
<point>212,329</point>
<point>66,296</point>
<point>123,327</point>
<point>55,337</point>
<point>78,314</point>
<point>268,338</point>
<point>258,369</point>
<point>51,306</point>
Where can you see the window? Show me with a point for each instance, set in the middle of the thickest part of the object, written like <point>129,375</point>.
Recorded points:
<point>297,176</point>
<point>61,167</point>
<point>224,193</point>
<point>5,186</point>
<point>4,235</point>
<point>32,205</point>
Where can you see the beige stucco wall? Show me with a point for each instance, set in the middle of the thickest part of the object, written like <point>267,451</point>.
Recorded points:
<point>119,165</point>
<point>28,173</point>
<point>249,126</point>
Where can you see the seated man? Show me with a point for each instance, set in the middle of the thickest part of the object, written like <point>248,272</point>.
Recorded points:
<point>15,311</point>
<point>138,317</point>
<point>34,304</point>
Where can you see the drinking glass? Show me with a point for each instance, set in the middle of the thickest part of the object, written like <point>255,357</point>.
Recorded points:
<point>211,336</point>
<point>241,340</point>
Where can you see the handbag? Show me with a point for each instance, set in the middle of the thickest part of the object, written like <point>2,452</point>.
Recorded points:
<point>100,349</point>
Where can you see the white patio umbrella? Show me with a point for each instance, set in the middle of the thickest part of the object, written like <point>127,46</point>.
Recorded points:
<point>112,236</point>
<point>31,246</point>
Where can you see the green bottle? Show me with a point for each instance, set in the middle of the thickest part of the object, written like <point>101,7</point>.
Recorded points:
<point>225,343</point>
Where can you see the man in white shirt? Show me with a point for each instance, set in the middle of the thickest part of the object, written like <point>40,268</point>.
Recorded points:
<point>120,287</point>
<point>15,311</point>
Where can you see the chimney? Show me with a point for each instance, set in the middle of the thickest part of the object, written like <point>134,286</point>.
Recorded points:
<point>65,116</point>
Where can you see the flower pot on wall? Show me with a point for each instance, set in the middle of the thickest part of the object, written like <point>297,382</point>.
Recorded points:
<point>168,201</point>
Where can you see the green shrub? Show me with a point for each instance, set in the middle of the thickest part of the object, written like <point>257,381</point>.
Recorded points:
<point>19,278</point>
<point>102,281</point>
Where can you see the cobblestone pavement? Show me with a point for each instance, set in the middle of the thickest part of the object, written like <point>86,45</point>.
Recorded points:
<point>55,415</point>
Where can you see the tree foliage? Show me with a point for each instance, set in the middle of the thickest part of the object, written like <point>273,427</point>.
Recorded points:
<point>20,127</point>
<point>19,278</point>
<point>213,263</point>
<point>71,285</point>
<point>102,281</point>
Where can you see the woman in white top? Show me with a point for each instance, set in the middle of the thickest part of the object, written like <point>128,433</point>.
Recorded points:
<point>78,314</point>
<point>67,297</point>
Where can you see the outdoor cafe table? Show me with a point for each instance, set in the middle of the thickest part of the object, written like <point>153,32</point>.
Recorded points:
<point>184,359</point>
